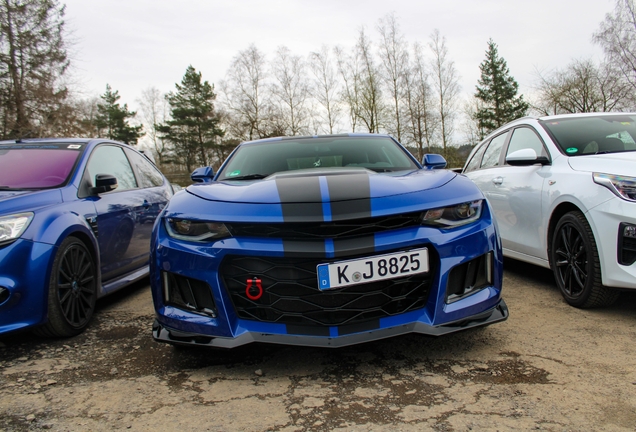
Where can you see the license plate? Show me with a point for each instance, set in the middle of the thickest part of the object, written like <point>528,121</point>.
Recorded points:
<point>375,268</point>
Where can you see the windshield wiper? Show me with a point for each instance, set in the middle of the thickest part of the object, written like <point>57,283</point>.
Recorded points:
<point>247,177</point>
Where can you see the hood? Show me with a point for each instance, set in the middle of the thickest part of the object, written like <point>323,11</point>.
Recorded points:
<point>623,163</point>
<point>19,201</point>
<point>321,186</point>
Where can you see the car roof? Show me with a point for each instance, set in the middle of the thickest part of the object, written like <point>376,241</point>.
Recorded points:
<point>583,115</point>
<point>46,140</point>
<point>308,137</point>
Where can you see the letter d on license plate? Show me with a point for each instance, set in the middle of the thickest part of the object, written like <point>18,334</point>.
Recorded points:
<point>375,268</point>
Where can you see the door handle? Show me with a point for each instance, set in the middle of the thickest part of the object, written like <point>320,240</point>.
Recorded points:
<point>498,180</point>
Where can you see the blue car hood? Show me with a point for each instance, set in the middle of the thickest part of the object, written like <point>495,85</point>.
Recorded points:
<point>313,186</point>
<point>19,201</point>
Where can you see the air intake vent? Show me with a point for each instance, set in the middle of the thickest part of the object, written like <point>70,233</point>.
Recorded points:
<point>188,294</point>
<point>469,277</point>
<point>92,222</point>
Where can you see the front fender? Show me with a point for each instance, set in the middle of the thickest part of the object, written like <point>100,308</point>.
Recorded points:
<point>53,226</point>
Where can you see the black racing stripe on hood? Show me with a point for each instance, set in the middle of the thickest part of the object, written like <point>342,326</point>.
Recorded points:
<point>304,248</point>
<point>300,198</point>
<point>350,196</point>
<point>354,246</point>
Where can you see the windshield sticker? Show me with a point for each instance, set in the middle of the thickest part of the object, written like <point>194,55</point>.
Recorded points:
<point>74,146</point>
<point>234,173</point>
<point>571,150</point>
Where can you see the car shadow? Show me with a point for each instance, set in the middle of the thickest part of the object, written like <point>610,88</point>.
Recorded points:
<point>543,278</point>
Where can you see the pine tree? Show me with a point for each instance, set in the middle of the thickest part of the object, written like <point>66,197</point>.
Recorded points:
<point>33,59</point>
<point>112,119</point>
<point>193,128</point>
<point>498,92</point>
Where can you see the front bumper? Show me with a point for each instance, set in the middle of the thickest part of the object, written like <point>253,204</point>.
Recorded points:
<point>605,221</point>
<point>228,327</point>
<point>24,276</point>
<point>176,337</point>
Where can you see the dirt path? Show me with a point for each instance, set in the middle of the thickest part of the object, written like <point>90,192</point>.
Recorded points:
<point>549,367</point>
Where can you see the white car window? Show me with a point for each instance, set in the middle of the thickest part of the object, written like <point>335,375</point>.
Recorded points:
<point>491,156</point>
<point>525,138</point>
<point>475,160</point>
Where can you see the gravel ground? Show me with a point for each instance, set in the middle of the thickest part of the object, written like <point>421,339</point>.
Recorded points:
<point>548,367</point>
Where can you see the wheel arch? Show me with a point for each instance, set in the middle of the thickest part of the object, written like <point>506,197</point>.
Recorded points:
<point>557,214</point>
<point>74,226</point>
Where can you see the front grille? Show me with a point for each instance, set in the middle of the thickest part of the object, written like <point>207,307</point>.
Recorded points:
<point>324,230</point>
<point>291,295</point>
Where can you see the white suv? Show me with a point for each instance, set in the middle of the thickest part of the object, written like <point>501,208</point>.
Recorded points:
<point>563,189</point>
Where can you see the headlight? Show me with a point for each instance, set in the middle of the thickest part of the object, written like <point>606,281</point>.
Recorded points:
<point>196,231</point>
<point>450,217</point>
<point>12,226</point>
<point>623,186</point>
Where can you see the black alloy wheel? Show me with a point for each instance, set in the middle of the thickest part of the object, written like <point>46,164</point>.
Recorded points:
<point>575,262</point>
<point>72,290</point>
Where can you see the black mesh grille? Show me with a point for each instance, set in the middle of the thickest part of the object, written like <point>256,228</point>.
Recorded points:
<point>291,294</point>
<point>332,230</point>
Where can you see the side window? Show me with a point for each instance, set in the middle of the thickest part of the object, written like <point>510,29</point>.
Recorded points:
<point>524,138</point>
<point>149,176</point>
<point>107,159</point>
<point>476,159</point>
<point>492,153</point>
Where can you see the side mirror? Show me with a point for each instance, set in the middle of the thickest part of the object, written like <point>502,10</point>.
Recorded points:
<point>202,175</point>
<point>433,161</point>
<point>104,183</point>
<point>526,157</point>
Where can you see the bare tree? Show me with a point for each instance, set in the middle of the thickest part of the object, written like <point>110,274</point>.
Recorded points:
<point>394,59</point>
<point>422,121</point>
<point>371,104</point>
<point>583,86</point>
<point>73,118</point>
<point>471,127</point>
<point>617,36</point>
<point>348,69</point>
<point>325,89</point>
<point>246,95</point>
<point>154,110</point>
<point>290,90</point>
<point>446,85</point>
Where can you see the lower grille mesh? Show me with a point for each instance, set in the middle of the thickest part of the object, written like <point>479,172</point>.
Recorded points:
<point>291,294</point>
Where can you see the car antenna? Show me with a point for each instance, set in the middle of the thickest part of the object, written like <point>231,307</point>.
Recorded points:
<point>25,135</point>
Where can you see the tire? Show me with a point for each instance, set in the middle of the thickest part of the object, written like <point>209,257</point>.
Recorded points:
<point>576,265</point>
<point>72,291</point>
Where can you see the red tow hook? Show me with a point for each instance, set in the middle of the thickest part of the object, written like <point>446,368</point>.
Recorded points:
<point>254,289</point>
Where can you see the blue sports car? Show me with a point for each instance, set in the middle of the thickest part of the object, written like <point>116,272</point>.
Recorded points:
<point>72,228</point>
<point>324,241</point>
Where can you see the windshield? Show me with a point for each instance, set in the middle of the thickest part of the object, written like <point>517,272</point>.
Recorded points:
<point>36,167</point>
<point>578,136</point>
<point>259,160</point>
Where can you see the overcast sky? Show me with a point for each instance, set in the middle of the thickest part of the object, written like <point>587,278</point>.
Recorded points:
<point>136,44</point>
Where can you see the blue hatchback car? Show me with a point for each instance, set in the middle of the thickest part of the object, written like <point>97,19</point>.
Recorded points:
<point>324,241</point>
<point>73,228</point>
